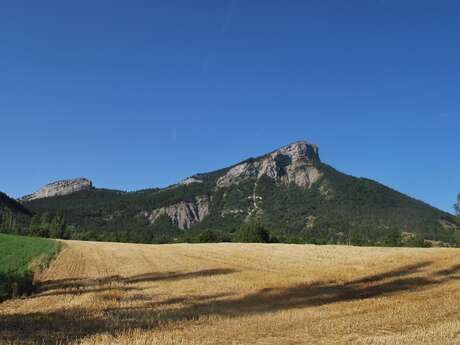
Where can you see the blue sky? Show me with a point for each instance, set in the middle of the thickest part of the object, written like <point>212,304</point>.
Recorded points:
<point>136,94</point>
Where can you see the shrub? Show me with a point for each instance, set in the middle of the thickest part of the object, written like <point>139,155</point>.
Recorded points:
<point>392,238</point>
<point>252,232</point>
<point>457,236</point>
<point>357,239</point>
<point>208,236</point>
<point>416,240</point>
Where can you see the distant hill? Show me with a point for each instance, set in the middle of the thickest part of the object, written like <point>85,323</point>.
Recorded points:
<point>13,215</point>
<point>10,204</point>
<point>290,190</point>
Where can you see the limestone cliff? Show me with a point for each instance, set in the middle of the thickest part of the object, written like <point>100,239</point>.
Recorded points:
<point>183,214</point>
<point>189,180</point>
<point>292,163</point>
<point>62,187</point>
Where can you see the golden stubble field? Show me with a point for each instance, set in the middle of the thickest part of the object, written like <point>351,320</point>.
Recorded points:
<point>112,293</point>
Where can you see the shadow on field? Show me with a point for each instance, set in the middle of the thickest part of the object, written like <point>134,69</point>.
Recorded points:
<point>117,282</point>
<point>73,324</point>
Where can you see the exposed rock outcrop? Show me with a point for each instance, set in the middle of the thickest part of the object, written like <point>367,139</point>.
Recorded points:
<point>183,214</point>
<point>292,163</point>
<point>190,180</point>
<point>62,187</point>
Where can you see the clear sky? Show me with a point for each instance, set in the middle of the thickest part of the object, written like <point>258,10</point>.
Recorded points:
<point>137,94</point>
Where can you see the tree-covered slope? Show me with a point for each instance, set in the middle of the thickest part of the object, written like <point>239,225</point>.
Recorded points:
<point>341,206</point>
<point>7,203</point>
<point>13,215</point>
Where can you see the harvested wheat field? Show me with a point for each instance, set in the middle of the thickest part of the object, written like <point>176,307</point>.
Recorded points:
<point>111,293</point>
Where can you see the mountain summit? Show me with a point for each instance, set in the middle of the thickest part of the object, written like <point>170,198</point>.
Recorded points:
<point>291,163</point>
<point>290,190</point>
<point>62,187</point>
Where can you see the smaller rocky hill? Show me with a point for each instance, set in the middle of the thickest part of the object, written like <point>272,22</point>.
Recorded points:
<point>58,188</point>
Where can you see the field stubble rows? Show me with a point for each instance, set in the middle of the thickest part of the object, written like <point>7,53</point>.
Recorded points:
<point>112,293</point>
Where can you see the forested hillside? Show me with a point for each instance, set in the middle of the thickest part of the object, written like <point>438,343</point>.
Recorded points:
<point>13,215</point>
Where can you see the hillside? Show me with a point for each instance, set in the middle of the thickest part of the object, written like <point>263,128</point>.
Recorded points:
<point>290,190</point>
<point>206,294</point>
<point>9,204</point>
<point>13,215</point>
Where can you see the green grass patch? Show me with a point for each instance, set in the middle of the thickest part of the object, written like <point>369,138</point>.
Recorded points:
<point>20,257</point>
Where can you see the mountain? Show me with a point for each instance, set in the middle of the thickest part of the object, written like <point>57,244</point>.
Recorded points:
<point>290,190</point>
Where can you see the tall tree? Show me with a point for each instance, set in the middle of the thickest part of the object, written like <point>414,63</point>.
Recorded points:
<point>457,212</point>
<point>457,206</point>
<point>391,237</point>
<point>57,226</point>
<point>34,227</point>
<point>8,222</point>
<point>44,224</point>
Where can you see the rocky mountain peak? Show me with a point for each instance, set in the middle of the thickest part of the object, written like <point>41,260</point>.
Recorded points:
<point>61,187</point>
<point>294,163</point>
<point>299,150</point>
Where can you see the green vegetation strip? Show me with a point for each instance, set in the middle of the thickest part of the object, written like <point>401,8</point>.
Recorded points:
<point>20,257</point>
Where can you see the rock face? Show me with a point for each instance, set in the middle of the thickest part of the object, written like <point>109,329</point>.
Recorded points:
<point>292,163</point>
<point>189,180</point>
<point>183,214</point>
<point>62,187</point>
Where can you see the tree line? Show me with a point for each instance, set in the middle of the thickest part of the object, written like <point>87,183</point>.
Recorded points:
<point>457,213</point>
<point>55,226</point>
<point>44,225</point>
